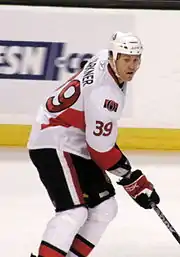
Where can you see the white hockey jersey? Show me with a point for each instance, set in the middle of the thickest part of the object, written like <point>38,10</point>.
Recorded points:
<point>80,117</point>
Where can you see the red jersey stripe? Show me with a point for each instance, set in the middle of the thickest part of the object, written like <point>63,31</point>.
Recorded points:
<point>68,118</point>
<point>105,160</point>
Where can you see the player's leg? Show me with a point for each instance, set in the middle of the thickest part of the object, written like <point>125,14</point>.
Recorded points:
<point>99,193</point>
<point>60,179</point>
<point>89,235</point>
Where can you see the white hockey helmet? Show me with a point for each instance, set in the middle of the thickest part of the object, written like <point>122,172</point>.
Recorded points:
<point>125,43</point>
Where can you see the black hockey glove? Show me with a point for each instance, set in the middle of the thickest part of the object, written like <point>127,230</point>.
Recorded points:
<point>140,189</point>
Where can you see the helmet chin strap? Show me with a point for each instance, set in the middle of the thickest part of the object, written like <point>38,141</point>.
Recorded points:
<point>115,69</point>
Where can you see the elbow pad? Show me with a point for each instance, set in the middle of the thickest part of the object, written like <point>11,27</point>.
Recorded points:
<point>122,168</point>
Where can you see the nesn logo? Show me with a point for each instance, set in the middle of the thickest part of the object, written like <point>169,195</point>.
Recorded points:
<point>29,60</point>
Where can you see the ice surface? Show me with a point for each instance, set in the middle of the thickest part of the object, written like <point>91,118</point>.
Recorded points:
<point>135,232</point>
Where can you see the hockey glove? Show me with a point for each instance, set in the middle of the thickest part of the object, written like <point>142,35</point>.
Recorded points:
<point>140,189</point>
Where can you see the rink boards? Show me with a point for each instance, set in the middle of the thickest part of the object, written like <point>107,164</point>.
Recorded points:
<point>128,138</point>
<point>50,44</point>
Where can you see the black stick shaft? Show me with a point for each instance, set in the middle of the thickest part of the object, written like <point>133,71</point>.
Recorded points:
<point>166,222</point>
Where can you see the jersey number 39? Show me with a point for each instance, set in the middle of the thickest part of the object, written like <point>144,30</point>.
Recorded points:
<point>102,128</point>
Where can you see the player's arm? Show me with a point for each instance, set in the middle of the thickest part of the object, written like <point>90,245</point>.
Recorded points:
<point>101,134</point>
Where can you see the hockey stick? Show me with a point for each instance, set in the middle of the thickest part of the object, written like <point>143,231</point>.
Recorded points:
<point>166,222</point>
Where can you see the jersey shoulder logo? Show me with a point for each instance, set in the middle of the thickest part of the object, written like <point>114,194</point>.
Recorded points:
<point>111,105</point>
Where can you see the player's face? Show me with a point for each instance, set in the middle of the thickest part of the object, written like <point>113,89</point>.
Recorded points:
<point>127,65</point>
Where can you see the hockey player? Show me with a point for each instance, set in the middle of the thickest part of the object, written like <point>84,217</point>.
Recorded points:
<point>73,146</point>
